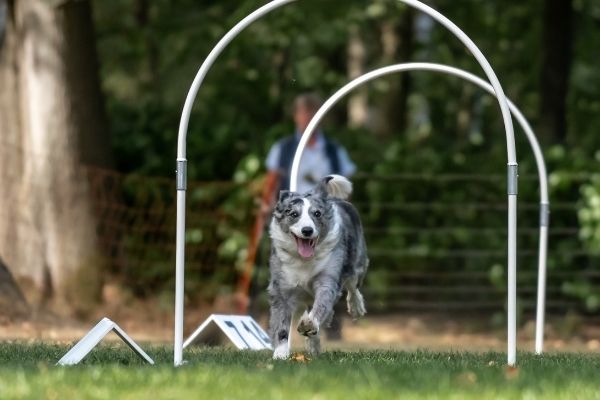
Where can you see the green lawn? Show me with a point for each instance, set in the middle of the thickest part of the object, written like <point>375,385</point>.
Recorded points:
<point>28,371</point>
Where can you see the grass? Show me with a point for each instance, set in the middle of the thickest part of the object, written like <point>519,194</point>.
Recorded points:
<point>113,372</point>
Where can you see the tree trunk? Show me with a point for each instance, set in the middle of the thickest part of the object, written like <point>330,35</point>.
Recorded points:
<point>556,66</point>
<point>397,43</point>
<point>358,112</point>
<point>13,305</point>
<point>51,122</point>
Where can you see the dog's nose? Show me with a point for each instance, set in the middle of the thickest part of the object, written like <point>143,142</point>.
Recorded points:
<point>307,231</point>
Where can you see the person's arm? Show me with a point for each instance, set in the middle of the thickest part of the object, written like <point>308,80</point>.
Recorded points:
<point>271,184</point>
<point>270,187</point>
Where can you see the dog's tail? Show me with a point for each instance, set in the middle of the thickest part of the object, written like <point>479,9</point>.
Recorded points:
<point>336,186</point>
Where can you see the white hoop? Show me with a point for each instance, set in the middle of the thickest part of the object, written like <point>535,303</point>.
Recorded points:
<point>539,158</point>
<point>181,167</point>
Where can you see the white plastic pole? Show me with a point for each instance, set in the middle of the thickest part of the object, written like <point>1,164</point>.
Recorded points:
<point>319,115</point>
<point>179,278</point>
<point>532,139</point>
<point>512,170</point>
<point>541,291</point>
<point>181,160</point>
<point>510,143</point>
<point>512,280</point>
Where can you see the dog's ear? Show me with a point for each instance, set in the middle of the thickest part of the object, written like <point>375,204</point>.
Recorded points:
<point>284,194</point>
<point>278,210</point>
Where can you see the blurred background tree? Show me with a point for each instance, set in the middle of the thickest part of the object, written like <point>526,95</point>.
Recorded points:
<point>52,121</point>
<point>414,122</point>
<point>544,52</point>
<point>540,50</point>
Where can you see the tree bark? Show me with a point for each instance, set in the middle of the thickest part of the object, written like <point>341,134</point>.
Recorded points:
<point>358,111</point>
<point>13,305</point>
<point>556,67</point>
<point>52,121</point>
<point>397,43</point>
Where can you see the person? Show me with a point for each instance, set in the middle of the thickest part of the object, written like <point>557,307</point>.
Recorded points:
<point>321,157</point>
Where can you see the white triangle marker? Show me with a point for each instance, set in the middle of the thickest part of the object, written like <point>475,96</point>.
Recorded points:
<point>243,331</point>
<point>93,337</point>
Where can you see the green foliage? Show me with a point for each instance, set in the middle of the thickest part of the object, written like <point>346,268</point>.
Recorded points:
<point>589,233</point>
<point>139,232</point>
<point>151,52</point>
<point>589,213</point>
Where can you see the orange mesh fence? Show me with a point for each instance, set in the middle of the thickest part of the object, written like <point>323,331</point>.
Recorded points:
<point>136,228</point>
<point>440,255</point>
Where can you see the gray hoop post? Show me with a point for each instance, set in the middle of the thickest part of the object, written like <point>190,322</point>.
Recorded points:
<point>539,158</point>
<point>510,147</point>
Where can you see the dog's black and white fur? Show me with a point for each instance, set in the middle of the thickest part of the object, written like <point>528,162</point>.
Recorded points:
<point>318,249</point>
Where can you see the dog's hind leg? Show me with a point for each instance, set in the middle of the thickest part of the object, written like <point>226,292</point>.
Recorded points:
<point>356,304</point>
<point>355,300</point>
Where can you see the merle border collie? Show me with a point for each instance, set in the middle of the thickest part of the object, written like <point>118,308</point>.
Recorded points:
<point>317,250</point>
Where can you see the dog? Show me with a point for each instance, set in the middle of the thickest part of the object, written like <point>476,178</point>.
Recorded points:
<point>318,249</point>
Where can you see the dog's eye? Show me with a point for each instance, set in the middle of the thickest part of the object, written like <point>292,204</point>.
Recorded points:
<point>317,214</point>
<point>293,214</point>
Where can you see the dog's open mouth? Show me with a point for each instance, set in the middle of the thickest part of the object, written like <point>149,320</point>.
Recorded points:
<point>306,247</point>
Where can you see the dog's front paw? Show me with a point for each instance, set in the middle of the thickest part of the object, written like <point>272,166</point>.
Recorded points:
<point>282,352</point>
<point>308,326</point>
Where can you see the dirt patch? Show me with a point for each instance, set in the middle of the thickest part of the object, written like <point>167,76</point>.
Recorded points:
<point>151,322</point>
<point>433,332</point>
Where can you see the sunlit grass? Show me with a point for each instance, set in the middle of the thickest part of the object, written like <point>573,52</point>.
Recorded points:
<point>28,371</point>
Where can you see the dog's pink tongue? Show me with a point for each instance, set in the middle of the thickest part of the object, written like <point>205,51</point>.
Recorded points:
<point>304,248</point>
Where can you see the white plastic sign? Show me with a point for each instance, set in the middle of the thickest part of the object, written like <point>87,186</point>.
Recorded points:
<point>243,331</point>
<point>93,337</point>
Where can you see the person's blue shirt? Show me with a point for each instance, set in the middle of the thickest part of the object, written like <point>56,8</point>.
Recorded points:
<point>324,157</point>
